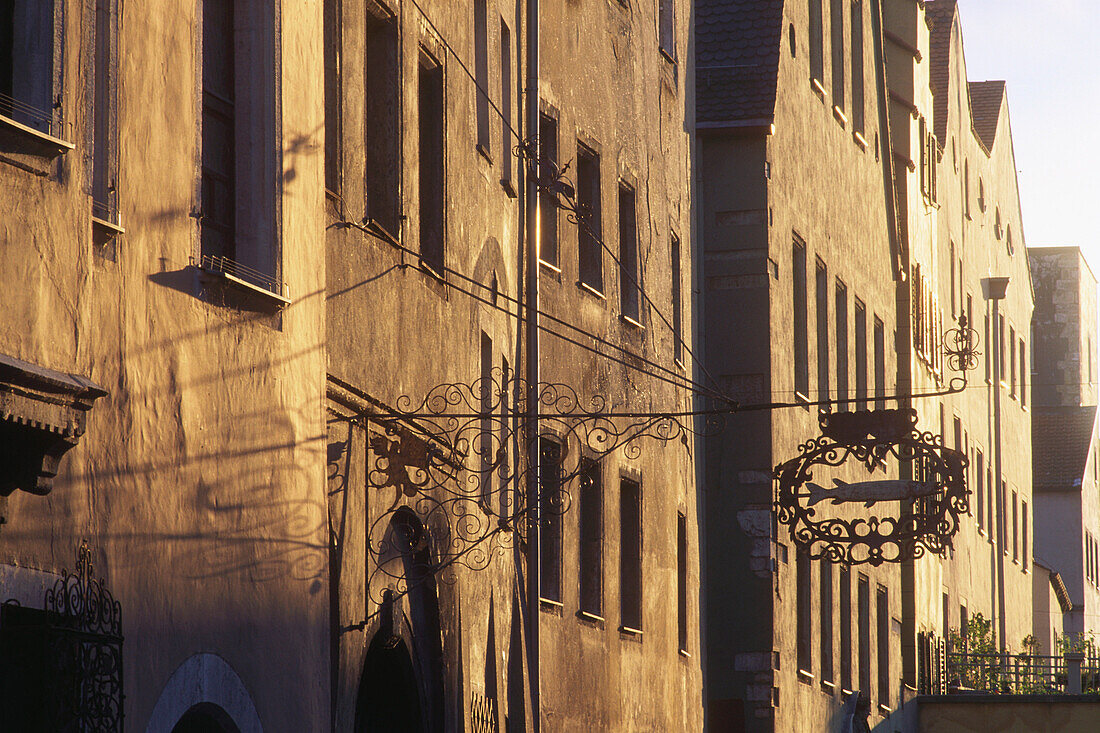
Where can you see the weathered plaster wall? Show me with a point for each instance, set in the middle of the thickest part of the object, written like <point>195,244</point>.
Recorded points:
<point>199,481</point>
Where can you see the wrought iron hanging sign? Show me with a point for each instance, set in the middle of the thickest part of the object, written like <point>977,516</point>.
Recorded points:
<point>826,517</point>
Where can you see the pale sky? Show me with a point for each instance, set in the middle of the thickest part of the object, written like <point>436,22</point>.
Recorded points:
<point>1048,53</point>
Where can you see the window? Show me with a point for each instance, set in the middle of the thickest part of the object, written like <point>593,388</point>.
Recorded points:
<point>677,304</point>
<point>946,617</point>
<point>590,558</point>
<point>630,555</point>
<point>333,40</point>
<point>382,123</point>
<point>548,209</point>
<point>825,568</point>
<point>857,67</point>
<point>842,345</point>
<point>1001,349</point>
<point>861,350</point>
<point>836,24</point>
<point>481,73</point>
<point>590,230</point>
<point>506,104</point>
<point>488,439</point>
<point>27,64</point>
<point>822,282</point>
<point>957,433</point>
<point>803,605</point>
<point>880,364</point>
<point>1023,373</point>
<point>629,277</point>
<point>801,337</point>
<point>550,491</point>
<point>883,619</point>
<point>430,171</point>
<point>863,612</point>
<point>990,514</point>
<point>219,123</point>
<point>681,582</point>
<point>510,487</point>
<point>1012,361</point>
<point>951,260</point>
<point>981,194</point>
<point>845,628</point>
<point>988,352</point>
<point>102,97</point>
<point>1026,532</point>
<point>668,28</point>
<point>979,497</point>
<point>817,42</point>
<point>966,188</point>
<point>1015,527</point>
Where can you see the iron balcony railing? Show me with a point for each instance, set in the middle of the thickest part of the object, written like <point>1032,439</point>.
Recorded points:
<point>1018,674</point>
<point>45,121</point>
<point>236,270</point>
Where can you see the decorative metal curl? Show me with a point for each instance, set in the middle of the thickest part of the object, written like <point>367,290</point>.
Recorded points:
<point>926,524</point>
<point>453,460</point>
<point>961,347</point>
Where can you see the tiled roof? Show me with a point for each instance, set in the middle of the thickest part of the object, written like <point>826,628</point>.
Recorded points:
<point>736,59</point>
<point>985,108</point>
<point>1060,440</point>
<point>940,14</point>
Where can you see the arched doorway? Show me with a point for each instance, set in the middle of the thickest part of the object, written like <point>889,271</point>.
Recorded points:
<point>206,718</point>
<point>389,699</point>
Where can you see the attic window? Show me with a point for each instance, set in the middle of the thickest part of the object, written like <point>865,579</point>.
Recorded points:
<point>981,195</point>
<point>1008,240</point>
<point>997,223</point>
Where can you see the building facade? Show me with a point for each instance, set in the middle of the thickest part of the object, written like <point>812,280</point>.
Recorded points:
<point>1067,488</point>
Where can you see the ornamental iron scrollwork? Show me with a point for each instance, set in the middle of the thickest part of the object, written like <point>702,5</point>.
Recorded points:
<point>70,652</point>
<point>455,460</point>
<point>931,503</point>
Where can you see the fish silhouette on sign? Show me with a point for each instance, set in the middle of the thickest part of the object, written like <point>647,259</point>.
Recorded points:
<point>871,492</point>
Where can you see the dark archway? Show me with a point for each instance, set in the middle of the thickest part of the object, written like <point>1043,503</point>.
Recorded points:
<point>389,698</point>
<point>206,718</point>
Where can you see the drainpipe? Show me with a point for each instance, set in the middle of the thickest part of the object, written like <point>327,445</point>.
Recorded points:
<point>531,306</point>
<point>994,290</point>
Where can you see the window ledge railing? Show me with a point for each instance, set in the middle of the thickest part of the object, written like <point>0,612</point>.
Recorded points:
<point>31,130</point>
<point>244,277</point>
<point>1021,674</point>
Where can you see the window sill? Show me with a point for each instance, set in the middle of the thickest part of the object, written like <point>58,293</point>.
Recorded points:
<point>588,288</point>
<point>591,618</point>
<point>550,266</point>
<point>860,140</point>
<point>670,57</point>
<point>484,151</point>
<point>802,400</point>
<point>239,283</point>
<point>818,87</point>
<point>631,322</point>
<point>550,603</point>
<point>509,188</point>
<point>884,709</point>
<point>685,653</point>
<point>28,140</point>
<point>104,231</point>
<point>828,687</point>
<point>842,118</point>
<point>630,631</point>
<point>377,229</point>
<point>805,677</point>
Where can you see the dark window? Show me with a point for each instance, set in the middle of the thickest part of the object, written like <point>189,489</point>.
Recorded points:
<point>629,277</point>
<point>382,124</point>
<point>591,530</point>
<point>842,345</point>
<point>677,304</point>
<point>1015,527</point>
<point>951,262</point>
<point>817,42</point>
<point>861,351</point>
<point>1011,348</point>
<point>990,490</point>
<point>825,569</point>
<point>801,337</point>
<point>488,439</point>
<point>551,505</point>
<point>822,283</point>
<point>946,613</point>
<point>883,613</point>
<point>481,72</point>
<point>104,195</point>
<point>506,103</point>
<point>857,66</point>
<point>668,27</point>
<point>27,63</point>
<point>333,90</point>
<point>548,210</point>
<point>430,171</point>
<point>880,365</point>
<point>219,158</point>
<point>1023,374</point>
<point>630,554</point>
<point>836,24</point>
<point>1025,531</point>
<point>590,229</point>
<point>506,429</point>
<point>863,610</point>
<point>988,351</point>
<point>1001,515</point>
<point>681,582</point>
<point>803,605</point>
<point>979,462</point>
<point>845,628</point>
